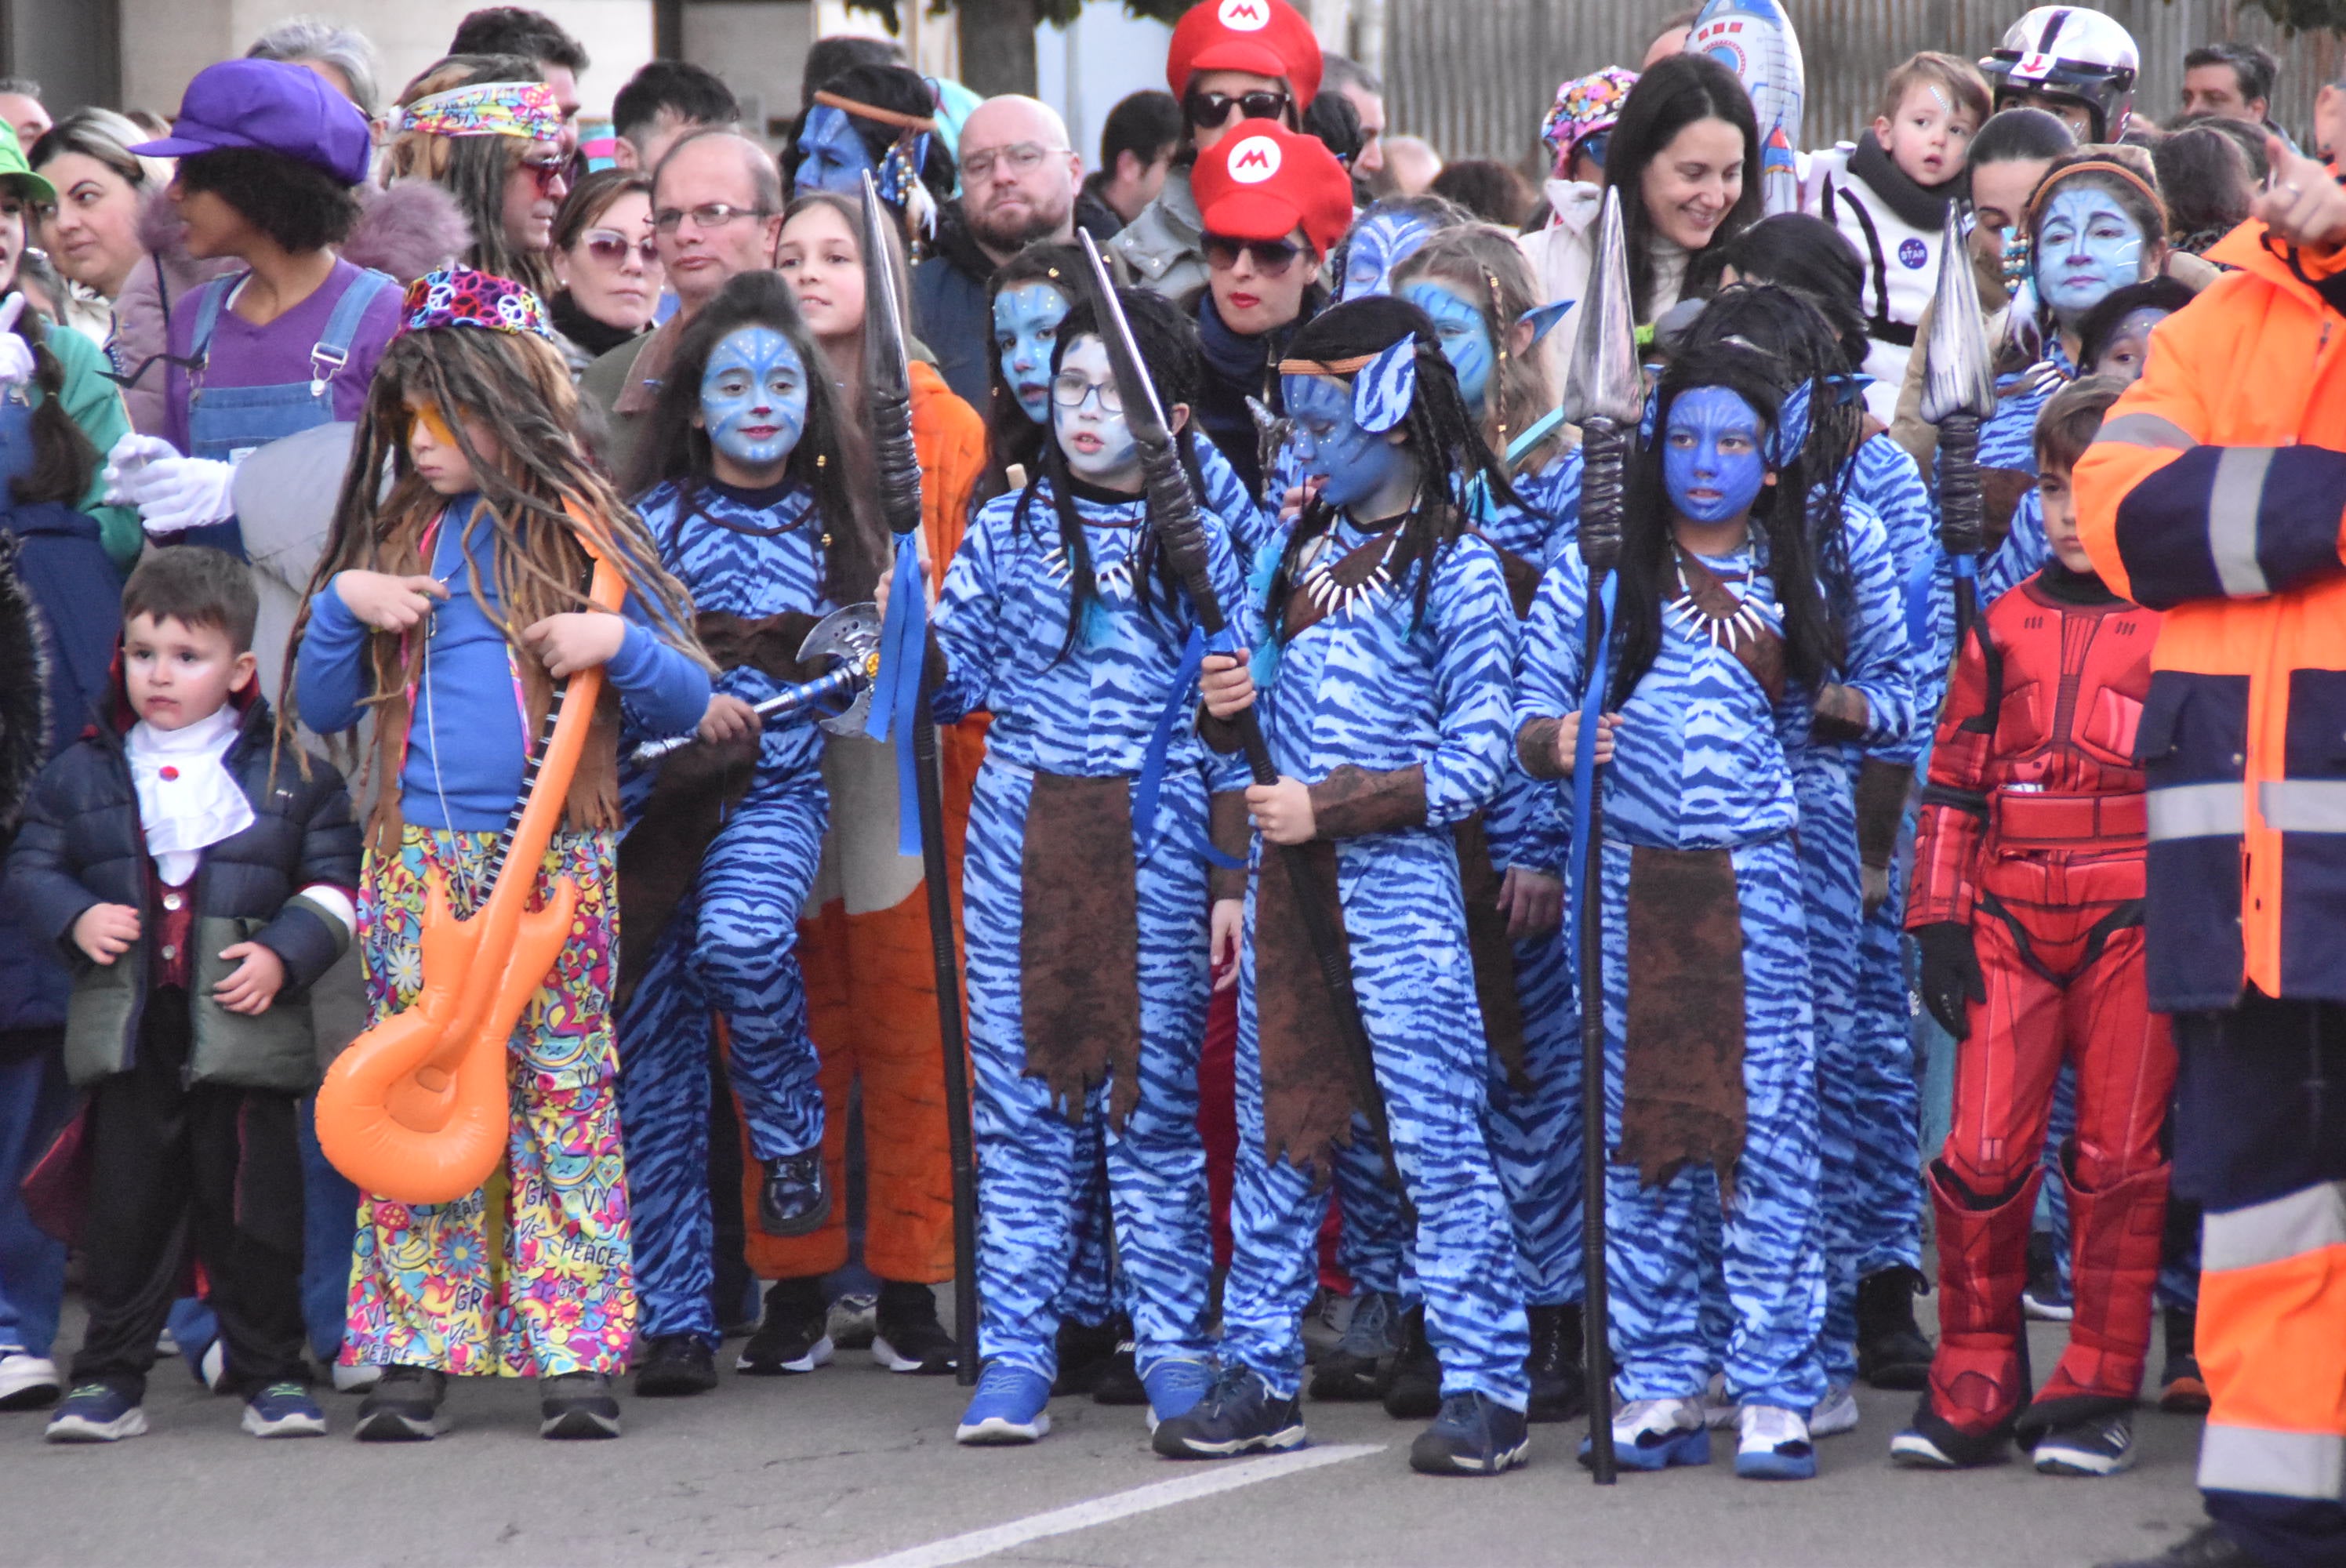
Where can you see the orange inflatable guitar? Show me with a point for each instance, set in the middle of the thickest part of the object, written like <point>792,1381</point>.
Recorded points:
<point>416,1109</point>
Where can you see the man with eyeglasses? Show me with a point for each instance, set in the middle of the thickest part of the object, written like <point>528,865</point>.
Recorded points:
<point>717,211</point>
<point>1232,61</point>
<point>1018,183</point>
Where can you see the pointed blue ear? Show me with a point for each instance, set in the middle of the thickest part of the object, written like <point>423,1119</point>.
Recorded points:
<point>1541,318</point>
<point>1651,417</point>
<point>1383,390</point>
<point>1791,432</point>
<point>1849,386</point>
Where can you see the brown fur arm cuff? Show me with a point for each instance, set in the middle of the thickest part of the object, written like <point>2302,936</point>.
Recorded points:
<point>1231,830</point>
<point>1535,748</point>
<point>1880,802</point>
<point>1218,733</point>
<point>1841,713</point>
<point>1352,801</point>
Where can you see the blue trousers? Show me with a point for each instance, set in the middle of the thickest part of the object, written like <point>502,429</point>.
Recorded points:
<point>1035,1167</point>
<point>34,1103</point>
<point>1535,1136</point>
<point>731,948</point>
<point>1407,929</point>
<point>1694,1291</point>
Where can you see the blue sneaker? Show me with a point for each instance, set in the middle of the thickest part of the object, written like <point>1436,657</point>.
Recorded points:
<point>1007,1407</point>
<point>96,1412</point>
<point>1775,1445</point>
<point>1174,1388</point>
<point>1474,1435</point>
<point>1655,1434</point>
<point>283,1410</point>
<point>1240,1414</point>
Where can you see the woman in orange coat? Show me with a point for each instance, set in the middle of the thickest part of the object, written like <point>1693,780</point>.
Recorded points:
<point>870,973</point>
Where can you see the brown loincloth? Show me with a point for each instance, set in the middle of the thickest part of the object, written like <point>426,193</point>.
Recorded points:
<point>1493,951</point>
<point>1307,1084</point>
<point>1079,943</point>
<point>1682,1087</point>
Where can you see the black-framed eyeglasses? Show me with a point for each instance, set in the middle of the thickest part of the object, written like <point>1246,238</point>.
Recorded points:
<point>1070,388</point>
<point>1272,257</point>
<point>1021,157</point>
<point>610,247</point>
<point>709,214</point>
<point>1208,110</point>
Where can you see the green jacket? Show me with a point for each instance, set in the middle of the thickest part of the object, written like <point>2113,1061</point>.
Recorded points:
<point>94,404</point>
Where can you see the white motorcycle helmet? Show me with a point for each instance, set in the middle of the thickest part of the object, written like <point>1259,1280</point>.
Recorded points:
<point>2069,52</point>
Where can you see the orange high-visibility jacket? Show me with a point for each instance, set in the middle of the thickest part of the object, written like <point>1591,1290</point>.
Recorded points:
<point>2215,493</point>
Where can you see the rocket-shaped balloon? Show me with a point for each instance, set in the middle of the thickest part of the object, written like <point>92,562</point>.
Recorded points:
<point>1754,38</point>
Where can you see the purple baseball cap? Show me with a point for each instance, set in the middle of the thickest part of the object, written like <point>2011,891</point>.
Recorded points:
<point>272,106</point>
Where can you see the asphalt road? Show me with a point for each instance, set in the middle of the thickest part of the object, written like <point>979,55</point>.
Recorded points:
<point>854,1466</point>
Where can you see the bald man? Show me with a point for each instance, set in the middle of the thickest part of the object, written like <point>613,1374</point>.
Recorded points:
<point>1019,178</point>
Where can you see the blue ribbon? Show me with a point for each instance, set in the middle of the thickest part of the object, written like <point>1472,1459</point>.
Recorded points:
<point>1152,763</point>
<point>1584,778</point>
<point>896,691</point>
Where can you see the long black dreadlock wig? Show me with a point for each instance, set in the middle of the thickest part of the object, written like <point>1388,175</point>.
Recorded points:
<point>1010,436</point>
<point>1648,562</point>
<point>1169,349</point>
<point>1440,431</point>
<point>829,454</point>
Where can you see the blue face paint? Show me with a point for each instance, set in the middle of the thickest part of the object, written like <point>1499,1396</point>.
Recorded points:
<point>1711,465</point>
<point>1378,244</point>
<point>832,157</point>
<point>1025,322</point>
<point>1330,445</point>
<point>753,396</point>
<point>1097,444</point>
<point>2087,245</point>
<point>1465,335</point>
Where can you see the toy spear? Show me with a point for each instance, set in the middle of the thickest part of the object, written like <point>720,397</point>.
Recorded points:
<point>1958,392</point>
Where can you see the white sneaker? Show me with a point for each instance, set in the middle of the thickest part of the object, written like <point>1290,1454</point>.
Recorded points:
<point>28,1382</point>
<point>1775,1445</point>
<point>1655,1434</point>
<point>214,1371</point>
<point>355,1379</point>
<point>1836,1414</point>
<point>1718,1411</point>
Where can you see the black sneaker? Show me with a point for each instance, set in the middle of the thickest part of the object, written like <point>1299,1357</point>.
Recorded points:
<point>1118,1382</point>
<point>1559,1379</point>
<point>2102,1446</point>
<point>1474,1435</point>
<point>2044,1298</point>
<point>906,1336</point>
<point>793,1337</point>
<point>675,1365</point>
<point>1892,1352</point>
<point>574,1405</point>
<point>404,1407</point>
<point>2182,1391</point>
<point>1930,1441</point>
<point>1240,1414</point>
<point>1355,1367</point>
<point>1085,1350</point>
<point>794,1199</point>
<point>1414,1382</point>
<point>2206,1547</point>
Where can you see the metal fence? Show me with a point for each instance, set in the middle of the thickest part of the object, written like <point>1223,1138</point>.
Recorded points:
<point>1475,76</point>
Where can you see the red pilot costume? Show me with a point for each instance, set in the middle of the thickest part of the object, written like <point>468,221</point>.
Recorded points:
<point>2030,855</point>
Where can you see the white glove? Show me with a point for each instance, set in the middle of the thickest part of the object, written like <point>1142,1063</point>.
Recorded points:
<point>130,455</point>
<point>15,353</point>
<point>173,493</point>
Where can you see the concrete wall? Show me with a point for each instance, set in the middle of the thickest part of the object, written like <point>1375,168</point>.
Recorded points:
<point>758,49</point>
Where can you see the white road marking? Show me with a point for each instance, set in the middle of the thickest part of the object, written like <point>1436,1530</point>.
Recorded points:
<point>1205,1482</point>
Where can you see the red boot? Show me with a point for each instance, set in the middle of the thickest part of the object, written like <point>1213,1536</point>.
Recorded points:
<point>1979,1379</point>
<point>2116,1235</point>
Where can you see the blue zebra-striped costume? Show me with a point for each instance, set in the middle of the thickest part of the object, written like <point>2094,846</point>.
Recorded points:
<point>1375,685</point>
<point>1703,760</point>
<point>1000,625</point>
<point>732,946</point>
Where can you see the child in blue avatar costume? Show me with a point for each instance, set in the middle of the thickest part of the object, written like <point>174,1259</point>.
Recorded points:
<point>1384,690</point>
<point>745,492</point>
<point>1087,978</point>
<point>1723,653</point>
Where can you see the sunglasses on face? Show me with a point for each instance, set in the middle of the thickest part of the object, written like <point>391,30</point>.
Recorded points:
<point>1272,258</point>
<point>552,175</point>
<point>1207,110</point>
<point>611,246</point>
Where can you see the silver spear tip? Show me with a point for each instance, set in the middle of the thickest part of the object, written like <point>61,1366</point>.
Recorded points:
<point>1958,371</point>
<point>1604,380</point>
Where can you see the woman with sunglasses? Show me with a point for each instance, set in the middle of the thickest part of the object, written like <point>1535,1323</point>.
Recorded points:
<point>1260,64</point>
<point>488,128</point>
<point>607,269</point>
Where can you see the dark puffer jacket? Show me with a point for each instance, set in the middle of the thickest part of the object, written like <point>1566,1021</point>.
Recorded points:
<point>81,843</point>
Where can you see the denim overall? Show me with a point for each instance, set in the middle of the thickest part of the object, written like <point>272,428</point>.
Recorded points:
<point>226,423</point>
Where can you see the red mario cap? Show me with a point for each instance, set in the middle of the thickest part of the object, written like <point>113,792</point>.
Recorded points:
<point>1268,38</point>
<point>1263,181</point>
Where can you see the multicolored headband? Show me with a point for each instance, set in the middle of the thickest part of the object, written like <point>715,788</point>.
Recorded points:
<point>524,109</point>
<point>465,297</point>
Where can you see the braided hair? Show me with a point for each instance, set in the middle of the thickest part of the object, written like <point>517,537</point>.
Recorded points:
<point>830,449</point>
<point>1439,430</point>
<point>1168,350</point>
<point>1811,645</point>
<point>1489,266</point>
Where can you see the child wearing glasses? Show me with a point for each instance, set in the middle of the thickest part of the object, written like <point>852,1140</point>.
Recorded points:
<point>1086,939</point>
